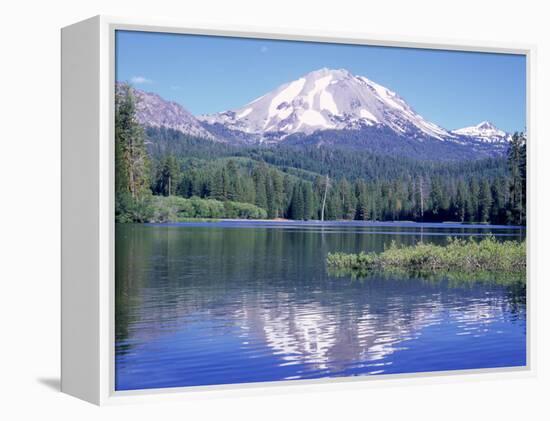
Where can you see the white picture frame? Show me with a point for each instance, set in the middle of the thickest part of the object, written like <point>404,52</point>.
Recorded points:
<point>88,58</point>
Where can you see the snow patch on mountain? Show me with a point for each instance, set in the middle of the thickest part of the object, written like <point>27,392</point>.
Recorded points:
<point>244,113</point>
<point>313,118</point>
<point>366,114</point>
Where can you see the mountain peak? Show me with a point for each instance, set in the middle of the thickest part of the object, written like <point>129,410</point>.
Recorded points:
<point>484,132</point>
<point>486,125</point>
<point>154,111</point>
<point>324,71</point>
<point>326,99</point>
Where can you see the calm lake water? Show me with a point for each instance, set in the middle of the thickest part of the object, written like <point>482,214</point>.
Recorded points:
<point>235,302</point>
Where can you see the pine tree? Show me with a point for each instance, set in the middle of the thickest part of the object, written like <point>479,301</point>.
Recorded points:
<point>226,182</point>
<point>362,207</point>
<point>168,176</point>
<point>375,206</point>
<point>472,214</point>
<point>461,201</point>
<point>233,182</point>
<point>259,176</point>
<point>347,199</point>
<point>248,193</point>
<point>278,193</point>
<point>219,184</point>
<point>410,203</point>
<point>517,163</point>
<point>436,197</point>
<point>307,192</point>
<point>485,201</point>
<point>132,165</point>
<point>334,204</point>
<point>397,197</point>
<point>297,203</point>
<point>270,198</point>
<point>499,200</point>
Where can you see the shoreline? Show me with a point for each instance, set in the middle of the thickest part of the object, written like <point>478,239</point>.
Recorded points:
<point>280,221</point>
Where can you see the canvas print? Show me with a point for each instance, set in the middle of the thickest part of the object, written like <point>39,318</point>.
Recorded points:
<point>302,210</point>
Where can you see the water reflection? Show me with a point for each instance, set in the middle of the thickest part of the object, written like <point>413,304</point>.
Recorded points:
<point>208,305</point>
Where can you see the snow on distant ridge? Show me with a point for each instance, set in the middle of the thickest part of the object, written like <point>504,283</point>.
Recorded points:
<point>484,132</point>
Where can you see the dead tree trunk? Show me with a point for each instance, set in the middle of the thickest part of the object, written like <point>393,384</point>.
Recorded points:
<point>324,199</point>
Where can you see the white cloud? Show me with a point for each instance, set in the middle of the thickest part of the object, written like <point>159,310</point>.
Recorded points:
<point>139,80</point>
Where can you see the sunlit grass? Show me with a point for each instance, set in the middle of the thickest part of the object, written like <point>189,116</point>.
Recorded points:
<point>458,259</point>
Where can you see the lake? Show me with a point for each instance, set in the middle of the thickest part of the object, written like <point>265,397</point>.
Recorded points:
<point>238,302</point>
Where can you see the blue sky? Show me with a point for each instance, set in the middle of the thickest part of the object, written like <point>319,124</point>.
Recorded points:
<point>210,74</point>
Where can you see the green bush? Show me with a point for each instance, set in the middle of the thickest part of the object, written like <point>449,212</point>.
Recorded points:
<point>487,255</point>
<point>243,211</point>
<point>175,209</point>
<point>129,209</point>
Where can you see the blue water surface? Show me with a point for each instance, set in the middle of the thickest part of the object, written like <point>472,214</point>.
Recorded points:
<point>240,302</point>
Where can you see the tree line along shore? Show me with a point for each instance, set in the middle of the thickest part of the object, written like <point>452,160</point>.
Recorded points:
<point>162,175</point>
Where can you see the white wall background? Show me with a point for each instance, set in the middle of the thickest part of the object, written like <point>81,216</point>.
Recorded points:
<point>29,206</point>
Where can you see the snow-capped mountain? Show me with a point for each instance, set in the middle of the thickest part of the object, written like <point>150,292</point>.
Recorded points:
<point>333,108</point>
<point>154,111</point>
<point>327,99</point>
<point>483,132</point>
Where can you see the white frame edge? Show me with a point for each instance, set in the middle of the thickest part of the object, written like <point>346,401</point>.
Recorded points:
<point>80,122</point>
<point>87,325</point>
